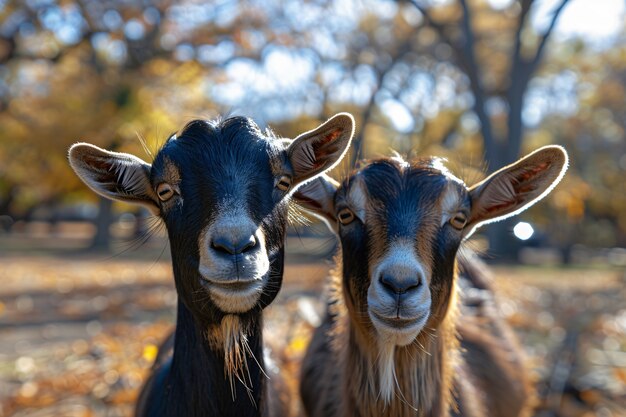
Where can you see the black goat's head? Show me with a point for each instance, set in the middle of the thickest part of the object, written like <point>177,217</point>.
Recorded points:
<point>222,188</point>
<point>401,224</point>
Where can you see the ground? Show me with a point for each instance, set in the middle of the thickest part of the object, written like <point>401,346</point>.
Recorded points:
<point>79,331</point>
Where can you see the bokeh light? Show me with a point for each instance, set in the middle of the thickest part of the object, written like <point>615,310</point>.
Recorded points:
<point>523,231</point>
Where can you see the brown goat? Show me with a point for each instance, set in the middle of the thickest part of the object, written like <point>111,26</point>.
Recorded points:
<point>396,341</point>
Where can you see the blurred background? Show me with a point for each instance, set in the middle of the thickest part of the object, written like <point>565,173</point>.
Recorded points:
<point>87,291</point>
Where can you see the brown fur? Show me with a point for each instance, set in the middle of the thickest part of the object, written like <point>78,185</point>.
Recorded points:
<point>469,366</point>
<point>396,341</point>
<point>424,369</point>
<point>491,349</point>
<point>171,173</point>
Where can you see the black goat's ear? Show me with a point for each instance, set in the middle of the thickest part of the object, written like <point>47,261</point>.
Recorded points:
<point>516,187</point>
<point>114,175</point>
<point>319,150</point>
<point>318,198</point>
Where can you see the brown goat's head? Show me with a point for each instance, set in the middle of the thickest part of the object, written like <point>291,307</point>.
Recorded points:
<point>401,224</point>
<point>222,189</point>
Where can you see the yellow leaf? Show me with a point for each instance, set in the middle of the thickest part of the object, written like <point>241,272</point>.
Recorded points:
<point>298,344</point>
<point>150,352</point>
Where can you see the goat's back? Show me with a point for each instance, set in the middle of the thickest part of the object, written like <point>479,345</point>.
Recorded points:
<point>319,382</point>
<point>489,346</point>
<point>497,370</point>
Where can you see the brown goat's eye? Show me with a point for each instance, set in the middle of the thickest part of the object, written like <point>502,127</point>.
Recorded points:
<point>345,216</point>
<point>458,221</point>
<point>284,183</point>
<point>164,191</point>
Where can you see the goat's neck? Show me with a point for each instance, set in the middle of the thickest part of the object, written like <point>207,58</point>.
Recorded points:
<point>423,370</point>
<point>199,380</point>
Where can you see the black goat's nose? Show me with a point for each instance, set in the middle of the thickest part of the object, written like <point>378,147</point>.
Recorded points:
<point>397,285</point>
<point>233,246</point>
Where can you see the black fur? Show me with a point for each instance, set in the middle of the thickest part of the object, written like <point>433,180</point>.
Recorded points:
<point>216,160</point>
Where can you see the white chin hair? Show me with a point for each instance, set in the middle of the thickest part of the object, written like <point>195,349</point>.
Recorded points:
<point>389,339</point>
<point>397,337</point>
<point>235,301</point>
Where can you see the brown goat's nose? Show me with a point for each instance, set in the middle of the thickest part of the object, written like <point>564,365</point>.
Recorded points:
<point>233,246</point>
<point>400,285</point>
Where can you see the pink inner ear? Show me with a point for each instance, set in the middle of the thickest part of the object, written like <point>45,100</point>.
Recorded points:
<point>500,207</point>
<point>526,189</point>
<point>524,183</point>
<point>322,148</point>
<point>331,136</point>
<point>529,173</point>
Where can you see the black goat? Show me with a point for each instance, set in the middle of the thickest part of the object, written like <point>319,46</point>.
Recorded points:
<point>222,188</point>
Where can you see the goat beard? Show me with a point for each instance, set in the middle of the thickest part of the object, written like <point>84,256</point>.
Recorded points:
<point>387,372</point>
<point>231,336</point>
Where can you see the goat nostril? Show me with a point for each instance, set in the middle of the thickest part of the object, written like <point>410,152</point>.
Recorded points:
<point>414,284</point>
<point>227,246</point>
<point>248,244</point>
<point>399,286</point>
<point>389,283</point>
<point>223,245</point>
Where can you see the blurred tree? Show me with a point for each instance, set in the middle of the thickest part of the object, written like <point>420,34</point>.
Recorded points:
<point>452,78</point>
<point>479,37</point>
<point>498,86</point>
<point>80,69</point>
<point>586,110</point>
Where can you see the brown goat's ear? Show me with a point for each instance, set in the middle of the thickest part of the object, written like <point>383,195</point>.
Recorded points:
<point>117,176</point>
<point>319,150</point>
<point>516,187</point>
<point>318,198</point>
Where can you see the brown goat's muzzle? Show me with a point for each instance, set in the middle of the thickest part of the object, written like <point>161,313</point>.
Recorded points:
<point>398,297</point>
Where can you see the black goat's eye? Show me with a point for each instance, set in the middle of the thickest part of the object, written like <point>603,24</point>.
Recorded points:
<point>345,216</point>
<point>458,221</point>
<point>284,183</point>
<point>164,191</point>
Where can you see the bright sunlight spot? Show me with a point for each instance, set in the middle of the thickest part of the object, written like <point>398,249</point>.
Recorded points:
<point>523,231</point>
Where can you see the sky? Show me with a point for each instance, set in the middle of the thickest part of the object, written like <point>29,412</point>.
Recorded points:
<point>598,19</point>
<point>595,21</point>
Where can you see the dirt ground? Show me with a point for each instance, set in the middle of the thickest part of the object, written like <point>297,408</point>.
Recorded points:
<point>78,333</point>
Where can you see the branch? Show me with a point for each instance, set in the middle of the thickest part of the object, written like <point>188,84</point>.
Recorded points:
<point>466,59</point>
<point>475,83</point>
<point>544,39</point>
<point>11,32</point>
<point>518,81</point>
<point>521,72</point>
<point>357,143</point>
<point>464,54</point>
<point>441,32</point>
<point>439,28</point>
<point>516,57</point>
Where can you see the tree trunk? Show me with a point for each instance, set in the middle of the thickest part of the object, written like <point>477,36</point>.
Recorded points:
<point>503,245</point>
<point>515,124</point>
<point>6,217</point>
<point>102,238</point>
